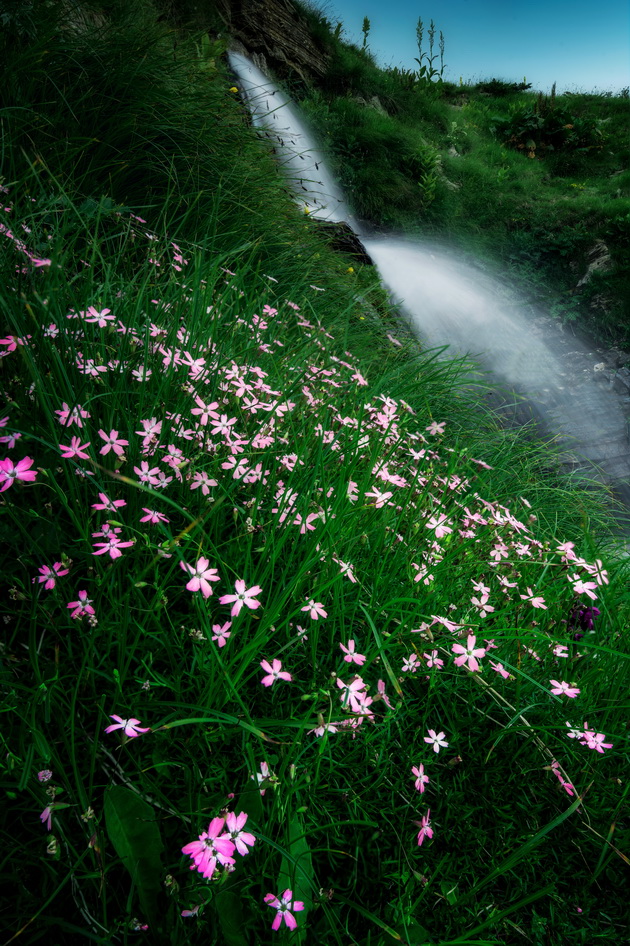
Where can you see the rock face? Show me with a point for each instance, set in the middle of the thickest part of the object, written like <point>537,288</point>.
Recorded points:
<point>274,30</point>
<point>343,239</point>
<point>598,260</point>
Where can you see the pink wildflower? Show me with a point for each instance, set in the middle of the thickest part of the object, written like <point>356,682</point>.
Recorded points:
<point>274,672</point>
<point>426,831</point>
<point>243,597</point>
<point>210,849</point>
<point>9,472</point>
<point>284,905</point>
<point>562,688</point>
<point>436,740</point>
<point>241,839</point>
<point>153,517</point>
<point>469,654</point>
<point>500,669</point>
<point>131,727</point>
<point>315,609</point>
<point>421,778</point>
<point>82,606</point>
<point>536,601</point>
<point>112,442</point>
<point>75,449</point>
<point>49,575</point>
<point>351,655</point>
<point>201,576</point>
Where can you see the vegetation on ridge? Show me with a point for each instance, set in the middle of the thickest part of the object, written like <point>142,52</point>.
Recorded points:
<point>532,182</point>
<point>282,603</point>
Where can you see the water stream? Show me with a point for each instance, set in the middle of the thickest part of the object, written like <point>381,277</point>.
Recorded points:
<point>448,300</point>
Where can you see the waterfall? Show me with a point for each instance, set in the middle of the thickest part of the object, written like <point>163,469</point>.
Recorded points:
<point>449,301</point>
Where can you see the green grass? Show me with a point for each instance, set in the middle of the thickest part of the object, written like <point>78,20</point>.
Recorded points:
<point>224,300</point>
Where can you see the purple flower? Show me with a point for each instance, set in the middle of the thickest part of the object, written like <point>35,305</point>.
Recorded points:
<point>284,907</point>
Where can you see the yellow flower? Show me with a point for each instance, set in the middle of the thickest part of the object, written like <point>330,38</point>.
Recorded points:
<point>306,210</point>
<point>350,269</point>
<point>233,89</point>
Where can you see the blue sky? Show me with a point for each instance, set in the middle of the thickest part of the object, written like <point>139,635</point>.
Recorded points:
<point>580,44</point>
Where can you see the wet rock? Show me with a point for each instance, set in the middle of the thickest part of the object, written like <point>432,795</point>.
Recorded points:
<point>342,238</point>
<point>598,260</point>
<point>275,30</point>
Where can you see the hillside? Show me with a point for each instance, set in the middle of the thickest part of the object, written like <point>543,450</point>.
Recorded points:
<point>296,636</point>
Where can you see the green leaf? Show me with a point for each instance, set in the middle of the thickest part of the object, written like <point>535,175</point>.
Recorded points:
<point>135,835</point>
<point>296,872</point>
<point>229,908</point>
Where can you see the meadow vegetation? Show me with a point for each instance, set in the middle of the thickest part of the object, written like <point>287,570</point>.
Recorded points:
<point>299,644</point>
<point>529,181</point>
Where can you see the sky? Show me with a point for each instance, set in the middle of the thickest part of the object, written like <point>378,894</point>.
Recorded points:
<point>581,45</point>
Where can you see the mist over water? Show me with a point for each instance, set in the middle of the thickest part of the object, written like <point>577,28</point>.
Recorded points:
<point>449,301</point>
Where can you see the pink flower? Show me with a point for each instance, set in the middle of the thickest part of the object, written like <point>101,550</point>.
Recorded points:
<point>563,689</point>
<point>421,778</point>
<point>315,609</point>
<point>274,672</point>
<point>82,606</point>
<point>46,817</point>
<point>500,669</point>
<point>436,740</point>
<point>351,654</point>
<point>583,587</point>
<point>111,546</point>
<point>131,727</point>
<point>76,449</point>
<point>439,523</point>
<point>596,741</point>
<point>221,632</point>
<point>49,575</point>
<point>74,415</point>
<point>110,504</point>
<point>535,601</point>
<point>426,831</point>
<point>243,596</point>
<point>112,442</point>
<point>433,660</point>
<point>468,655</point>
<point>241,839</point>
<point>284,907</point>
<point>153,517</point>
<point>210,849</point>
<point>18,471</point>
<point>44,776</point>
<point>201,576</point>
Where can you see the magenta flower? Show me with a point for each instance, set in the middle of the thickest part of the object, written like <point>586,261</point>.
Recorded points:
<point>10,471</point>
<point>82,606</point>
<point>421,778</point>
<point>131,727</point>
<point>241,839</point>
<point>49,575</point>
<point>274,672</point>
<point>426,831</point>
<point>76,449</point>
<point>436,740</point>
<point>284,905</point>
<point>500,669</point>
<point>440,524</point>
<point>468,655</point>
<point>210,849</point>
<point>46,817</point>
<point>243,597</point>
<point>201,576</point>
<point>315,609</point>
<point>112,546</point>
<point>562,688</point>
<point>45,775</point>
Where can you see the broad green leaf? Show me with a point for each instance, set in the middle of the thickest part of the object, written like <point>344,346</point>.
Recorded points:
<point>135,835</point>
<point>296,872</point>
<point>229,908</point>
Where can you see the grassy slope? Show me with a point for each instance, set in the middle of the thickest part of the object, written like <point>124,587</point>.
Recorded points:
<point>106,125</point>
<point>538,217</point>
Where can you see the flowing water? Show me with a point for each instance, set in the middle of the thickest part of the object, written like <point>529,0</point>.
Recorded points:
<point>449,300</point>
